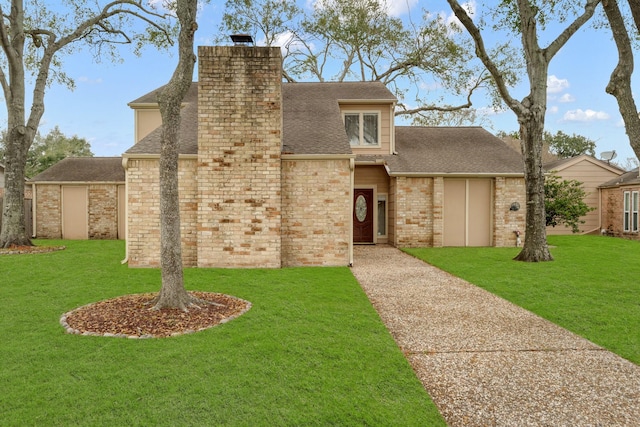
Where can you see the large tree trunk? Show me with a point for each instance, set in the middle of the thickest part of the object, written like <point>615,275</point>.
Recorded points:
<point>535,248</point>
<point>19,136</point>
<point>620,81</point>
<point>13,226</point>
<point>173,293</point>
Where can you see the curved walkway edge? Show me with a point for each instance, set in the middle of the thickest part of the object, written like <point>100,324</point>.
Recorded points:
<point>487,362</point>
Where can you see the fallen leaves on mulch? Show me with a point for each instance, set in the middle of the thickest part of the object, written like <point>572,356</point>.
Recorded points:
<point>16,250</point>
<point>131,316</point>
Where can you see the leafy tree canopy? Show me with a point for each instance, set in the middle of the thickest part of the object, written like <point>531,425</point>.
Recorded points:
<point>342,40</point>
<point>564,202</point>
<point>49,149</point>
<point>565,146</point>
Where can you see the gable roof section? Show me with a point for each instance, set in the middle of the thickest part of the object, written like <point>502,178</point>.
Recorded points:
<point>83,169</point>
<point>312,118</point>
<point>188,143</point>
<point>451,151</point>
<point>561,164</point>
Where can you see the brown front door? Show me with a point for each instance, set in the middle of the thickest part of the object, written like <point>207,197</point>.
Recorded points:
<point>363,216</point>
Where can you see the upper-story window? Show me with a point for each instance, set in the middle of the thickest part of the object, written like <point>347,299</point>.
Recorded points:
<point>363,128</point>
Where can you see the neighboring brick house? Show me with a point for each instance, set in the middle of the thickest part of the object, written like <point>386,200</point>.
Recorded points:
<point>591,172</point>
<point>278,174</point>
<point>80,198</point>
<point>620,205</point>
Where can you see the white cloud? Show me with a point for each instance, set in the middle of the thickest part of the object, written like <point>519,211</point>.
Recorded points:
<point>585,115</point>
<point>85,79</point>
<point>553,110</point>
<point>393,7</point>
<point>491,111</point>
<point>400,7</point>
<point>288,43</point>
<point>556,85</point>
<point>566,98</point>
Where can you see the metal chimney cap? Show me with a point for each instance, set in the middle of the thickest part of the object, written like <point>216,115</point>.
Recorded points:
<point>241,39</point>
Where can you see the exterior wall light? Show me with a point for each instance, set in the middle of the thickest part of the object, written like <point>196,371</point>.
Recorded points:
<point>515,206</point>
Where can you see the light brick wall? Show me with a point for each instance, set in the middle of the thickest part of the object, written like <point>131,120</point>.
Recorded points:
<point>143,216</point>
<point>413,212</point>
<point>507,191</point>
<point>239,144</point>
<point>103,211</point>
<point>316,212</point>
<point>48,211</point>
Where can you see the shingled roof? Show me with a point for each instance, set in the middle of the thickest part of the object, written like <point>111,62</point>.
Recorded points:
<point>312,118</point>
<point>452,150</point>
<point>83,169</point>
<point>630,178</point>
<point>312,122</point>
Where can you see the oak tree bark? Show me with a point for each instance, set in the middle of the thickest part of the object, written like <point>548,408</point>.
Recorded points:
<point>173,294</point>
<point>620,81</point>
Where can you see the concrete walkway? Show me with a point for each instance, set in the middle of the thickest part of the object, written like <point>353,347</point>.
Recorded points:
<point>487,362</point>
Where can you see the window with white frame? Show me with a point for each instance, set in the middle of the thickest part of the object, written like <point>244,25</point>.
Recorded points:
<point>363,128</point>
<point>382,215</point>
<point>631,202</point>
<point>634,211</point>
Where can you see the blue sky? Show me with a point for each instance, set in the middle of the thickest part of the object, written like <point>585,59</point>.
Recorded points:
<point>97,109</point>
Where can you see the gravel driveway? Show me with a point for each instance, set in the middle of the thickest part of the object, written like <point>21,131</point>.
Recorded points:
<point>487,362</point>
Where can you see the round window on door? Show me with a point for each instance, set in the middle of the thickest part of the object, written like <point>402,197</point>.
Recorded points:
<point>361,208</point>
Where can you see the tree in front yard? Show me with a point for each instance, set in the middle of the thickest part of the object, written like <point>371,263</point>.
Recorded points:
<point>34,35</point>
<point>173,294</point>
<point>564,202</point>
<point>527,20</point>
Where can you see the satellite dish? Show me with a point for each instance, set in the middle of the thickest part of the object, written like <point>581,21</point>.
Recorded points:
<point>608,155</point>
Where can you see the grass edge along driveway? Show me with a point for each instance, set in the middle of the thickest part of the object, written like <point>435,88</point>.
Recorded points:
<point>311,351</point>
<point>592,288</point>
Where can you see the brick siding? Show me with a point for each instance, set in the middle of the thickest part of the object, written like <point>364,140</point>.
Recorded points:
<point>316,212</point>
<point>413,205</point>
<point>506,221</point>
<point>48,211</point>
<point>103,211</point>
<point>143,241</point>
<point>613,211</point>
<point>239,145</point>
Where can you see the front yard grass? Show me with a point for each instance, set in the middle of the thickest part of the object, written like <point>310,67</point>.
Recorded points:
<point>311,351</point>
<point>591,288</point>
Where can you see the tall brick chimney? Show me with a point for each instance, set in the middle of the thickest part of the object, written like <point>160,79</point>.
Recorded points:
<point>239,146</point>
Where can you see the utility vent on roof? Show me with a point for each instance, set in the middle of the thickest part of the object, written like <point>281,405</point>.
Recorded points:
<point>242,39</point>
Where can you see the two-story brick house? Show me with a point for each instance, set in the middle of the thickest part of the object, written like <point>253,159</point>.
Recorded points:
<point>284,174</point>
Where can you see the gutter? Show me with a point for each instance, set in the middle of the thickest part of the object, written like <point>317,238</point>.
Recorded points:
<point>352,169</point>
<point>34,210</point>
<point>125,165</point>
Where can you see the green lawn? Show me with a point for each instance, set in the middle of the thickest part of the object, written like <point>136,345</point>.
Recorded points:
<point>591,288</point>
<point>311,351</point>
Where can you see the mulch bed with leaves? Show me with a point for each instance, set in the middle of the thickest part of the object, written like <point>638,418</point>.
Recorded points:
<point>131,316</point>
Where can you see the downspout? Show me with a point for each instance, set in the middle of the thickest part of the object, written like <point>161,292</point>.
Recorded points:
<point>34,210</point>
<point>352,168</point>
<point>125,161</point>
